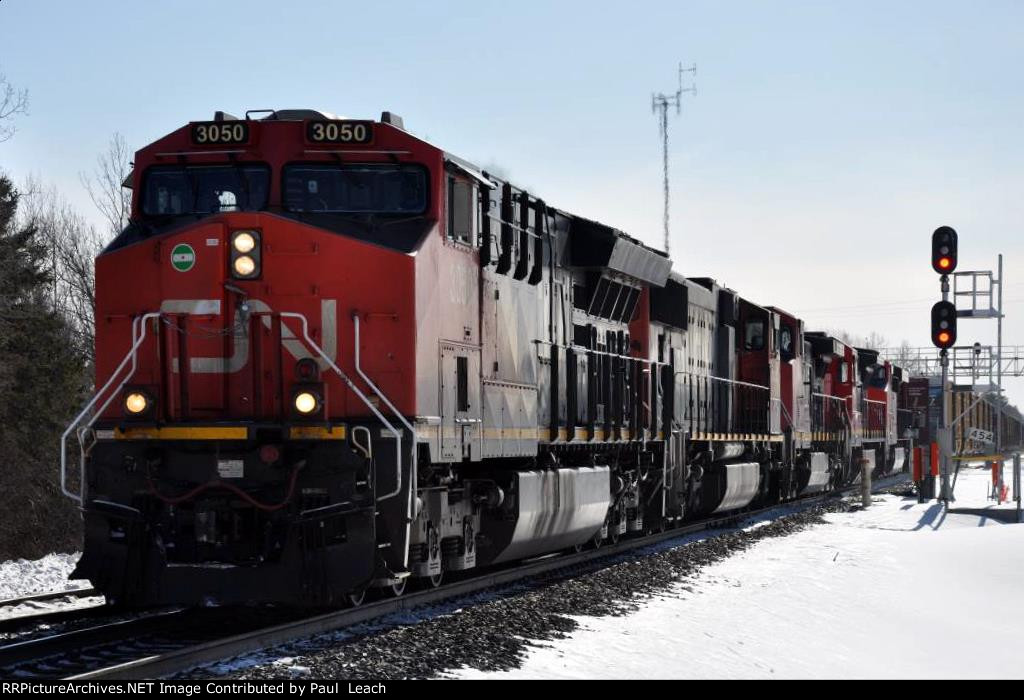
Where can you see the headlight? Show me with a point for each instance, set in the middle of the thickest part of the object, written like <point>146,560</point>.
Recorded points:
<point>246,254</point>
<point>244,266</point>
<point>244,242</point>
<point>305,402</point>
<point>136,403</point>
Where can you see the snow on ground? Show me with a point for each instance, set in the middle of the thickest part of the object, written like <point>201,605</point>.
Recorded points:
<point>902,590</point>
<point>21,577</point>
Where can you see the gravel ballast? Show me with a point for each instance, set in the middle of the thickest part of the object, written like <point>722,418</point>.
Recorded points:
<point>493,631</point>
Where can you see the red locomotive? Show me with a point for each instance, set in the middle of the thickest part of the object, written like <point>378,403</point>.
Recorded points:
<point>331,356</point>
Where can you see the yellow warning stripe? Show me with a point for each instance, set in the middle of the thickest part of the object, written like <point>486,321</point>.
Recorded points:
<point>192,432</point>
<point>183,433</point>
<point>431,432</point>
<point>735,437</point>
<point>315,432</point>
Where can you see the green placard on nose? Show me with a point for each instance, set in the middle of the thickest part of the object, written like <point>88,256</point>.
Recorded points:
<point>183,257</point>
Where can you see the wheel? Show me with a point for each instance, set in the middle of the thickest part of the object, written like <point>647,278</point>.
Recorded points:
<point>395,590</point>
<point>429,582</point>
<point>613,534</point>
<point>653,528</point>
<point>356,598</point>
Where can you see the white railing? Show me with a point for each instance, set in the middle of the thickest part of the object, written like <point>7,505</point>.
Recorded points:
<point>351,385</point>
<point>413,461</point>
<point>138,336</point>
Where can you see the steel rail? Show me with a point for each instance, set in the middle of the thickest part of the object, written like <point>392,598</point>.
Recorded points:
<point>49,595</point>
<point>42,648</point>
<point>228,647</point>
<point>47,615</point>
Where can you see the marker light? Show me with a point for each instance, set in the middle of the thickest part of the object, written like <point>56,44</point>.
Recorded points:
<point>243,242</point>
<point>244,266</point>
<point>305,402</point>
<point>136,403</point>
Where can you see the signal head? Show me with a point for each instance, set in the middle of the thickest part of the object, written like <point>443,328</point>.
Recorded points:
<point>944,325</point>
<point>944,241</point>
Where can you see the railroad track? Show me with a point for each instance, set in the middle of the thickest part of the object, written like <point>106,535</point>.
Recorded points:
<point>113,643</point>
<point>188,657</point>
<point>33,609</point>
<point>170,642</point>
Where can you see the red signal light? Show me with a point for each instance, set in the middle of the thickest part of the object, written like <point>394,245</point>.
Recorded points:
<point>944,325</point>
<point>944,250</point>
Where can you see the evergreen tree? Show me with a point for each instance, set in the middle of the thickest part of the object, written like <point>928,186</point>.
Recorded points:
<point>42,381</point>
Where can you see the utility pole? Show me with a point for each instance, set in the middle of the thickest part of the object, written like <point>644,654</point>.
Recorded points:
<point>999,367</point>
<point>660,103</point>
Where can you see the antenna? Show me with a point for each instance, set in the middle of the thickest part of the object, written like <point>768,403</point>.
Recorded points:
<point>660,103</point>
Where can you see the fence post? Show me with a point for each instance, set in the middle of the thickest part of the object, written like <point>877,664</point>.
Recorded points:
<point>1016,482</point>
<point>865,482</point>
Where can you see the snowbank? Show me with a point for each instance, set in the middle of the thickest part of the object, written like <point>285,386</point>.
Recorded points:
<point>22,576</point>
<point>902,590</point>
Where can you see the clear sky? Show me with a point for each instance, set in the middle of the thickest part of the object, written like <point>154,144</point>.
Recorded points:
<point>826,142</point>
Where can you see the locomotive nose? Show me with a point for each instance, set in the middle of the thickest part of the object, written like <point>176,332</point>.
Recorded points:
<point>193,268</point>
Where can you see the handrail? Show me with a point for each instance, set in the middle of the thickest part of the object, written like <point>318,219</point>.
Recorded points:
<point>785,410</point>
<point>413,459</point>
<point>369,382</point>
<point>139,330</point>
<point>750,405</point>
<point>720,379</point>
<point>369,404</point>
<point>875,412</point>
<point>842,402</point>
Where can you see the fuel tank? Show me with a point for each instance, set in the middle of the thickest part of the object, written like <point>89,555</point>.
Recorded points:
<point>548,510</point>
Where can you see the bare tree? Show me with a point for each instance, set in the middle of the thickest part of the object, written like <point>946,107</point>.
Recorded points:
<point>904,353</point>
<point>873,340</point>
<point>12,102</point>
<point>73,244</point>
<point>106,184</point>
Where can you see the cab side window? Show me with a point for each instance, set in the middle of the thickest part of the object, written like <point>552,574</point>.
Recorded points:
<point>461,211</point>
<point>786,343</point>
<point>753,335</point>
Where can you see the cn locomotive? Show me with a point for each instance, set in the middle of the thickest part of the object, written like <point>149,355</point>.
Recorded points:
<point>332,357</point>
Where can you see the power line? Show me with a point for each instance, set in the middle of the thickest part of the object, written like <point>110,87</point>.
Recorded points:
<point>892,307</point>
<point>660,103</point>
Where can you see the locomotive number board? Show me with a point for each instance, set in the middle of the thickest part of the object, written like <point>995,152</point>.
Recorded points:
<point>333,131</point>
<point>219,133</point>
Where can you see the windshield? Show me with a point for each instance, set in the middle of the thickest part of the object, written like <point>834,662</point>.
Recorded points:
<point>356,189</point>
<point>876,377</point>
<point>175,191</point>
